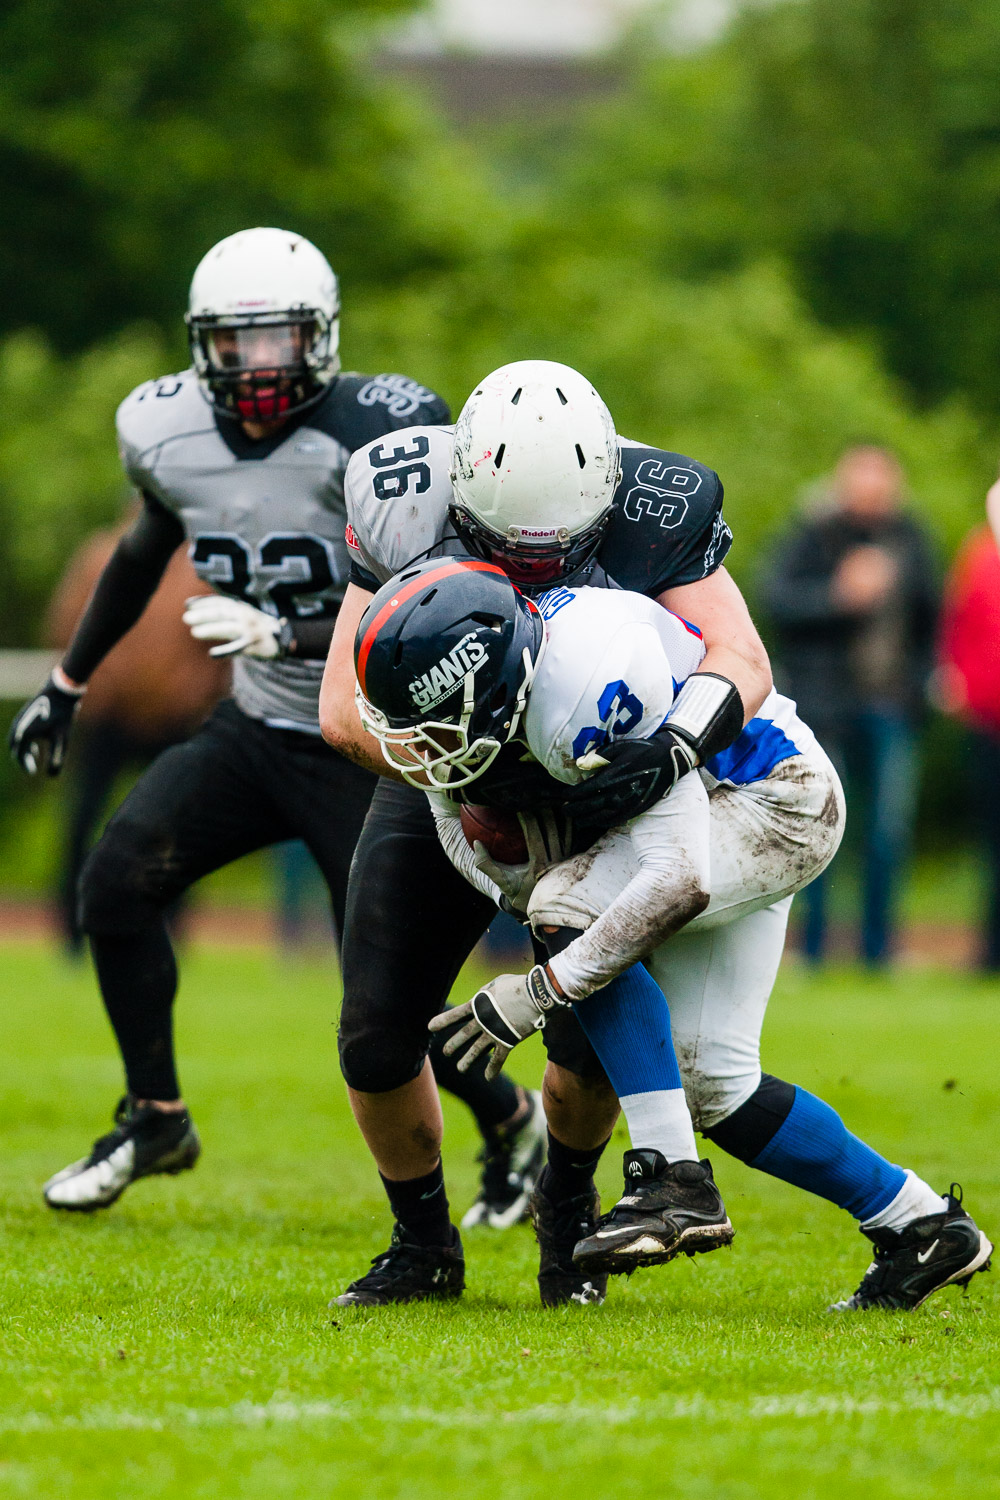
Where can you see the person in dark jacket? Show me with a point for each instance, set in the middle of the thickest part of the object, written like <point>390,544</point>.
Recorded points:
<point>852,592</point>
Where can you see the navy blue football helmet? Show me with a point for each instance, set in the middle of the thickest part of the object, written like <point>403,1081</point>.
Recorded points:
<point>445,655</point>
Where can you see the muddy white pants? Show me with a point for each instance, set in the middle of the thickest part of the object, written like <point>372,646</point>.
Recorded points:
<point>764,842</point>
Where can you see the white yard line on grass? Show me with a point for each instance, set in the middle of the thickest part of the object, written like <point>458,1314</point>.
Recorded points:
<point>250,1414</point>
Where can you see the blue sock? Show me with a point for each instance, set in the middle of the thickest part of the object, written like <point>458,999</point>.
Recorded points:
<point>813,1149</point>
<point>628,1024</point>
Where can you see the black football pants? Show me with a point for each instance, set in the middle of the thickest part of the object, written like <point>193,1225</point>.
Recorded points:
<point>235,786</point>
<point>412,921</point>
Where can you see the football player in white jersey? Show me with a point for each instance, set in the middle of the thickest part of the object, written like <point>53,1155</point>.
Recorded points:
<point>243,457</point>
<point>698,886</point>
<point>534,480</point>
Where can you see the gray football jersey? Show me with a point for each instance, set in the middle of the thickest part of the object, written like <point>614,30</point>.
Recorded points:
<point>265,520</point>
<point>666,528</point>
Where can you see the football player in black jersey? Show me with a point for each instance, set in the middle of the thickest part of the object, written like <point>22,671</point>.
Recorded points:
<point>533,477</point>
<point>243,456</point>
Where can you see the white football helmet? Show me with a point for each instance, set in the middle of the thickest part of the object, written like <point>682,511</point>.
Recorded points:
<point>536,464</point>
<point>263,324</point>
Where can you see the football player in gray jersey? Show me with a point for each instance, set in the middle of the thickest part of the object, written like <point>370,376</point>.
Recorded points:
<point>533,478</point>
<point>242,456</point>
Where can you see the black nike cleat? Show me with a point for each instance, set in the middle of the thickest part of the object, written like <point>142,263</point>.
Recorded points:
<point>669,1208</point>
<point>558,1227</point>
<point>512,1160</point>
<point>408,1272</point>
<point>945,1249</point>
<point>144,1143</point>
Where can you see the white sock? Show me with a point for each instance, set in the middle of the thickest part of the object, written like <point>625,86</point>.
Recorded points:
<point>661,1121</point>
<point>915,1200</point>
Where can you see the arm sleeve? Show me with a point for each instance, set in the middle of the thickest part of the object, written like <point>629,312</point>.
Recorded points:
<point>703,541</point>
<point>448,822</point>
<point>124,588</point>
<point>311,639</point>
<point>363,578</point>
<point>670,843</point>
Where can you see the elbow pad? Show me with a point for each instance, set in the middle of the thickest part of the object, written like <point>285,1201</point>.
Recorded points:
<point>708,713</point>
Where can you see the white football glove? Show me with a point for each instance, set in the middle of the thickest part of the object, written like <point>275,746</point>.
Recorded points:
<point>548,837</point>
<point>243,629</point>
<point>500,1015</point>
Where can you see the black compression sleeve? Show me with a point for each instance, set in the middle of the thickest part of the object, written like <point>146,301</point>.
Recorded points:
<point>311,639</point>
<point>124,588</point>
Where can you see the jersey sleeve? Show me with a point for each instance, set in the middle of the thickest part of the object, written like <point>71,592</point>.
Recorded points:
<point>131,441</point>
<point>397,491</point>
<point>365,407</point>
<point>143,422</point>
<point>668,528</point>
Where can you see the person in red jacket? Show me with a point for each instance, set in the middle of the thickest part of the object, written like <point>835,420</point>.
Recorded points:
<point>970,688</point>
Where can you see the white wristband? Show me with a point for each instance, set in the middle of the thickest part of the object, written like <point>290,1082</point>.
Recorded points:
<point>64,685</point>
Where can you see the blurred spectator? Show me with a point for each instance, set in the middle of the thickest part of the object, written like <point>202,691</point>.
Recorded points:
<point>852,591</point>
<point>151,691</point>
<point>969,686</point>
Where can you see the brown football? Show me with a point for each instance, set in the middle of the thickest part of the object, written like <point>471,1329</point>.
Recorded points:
<point>499,831</point>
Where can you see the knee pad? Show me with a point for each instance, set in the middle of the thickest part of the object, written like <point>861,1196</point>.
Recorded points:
<point>749,1128</point>
<point>126,882</point>
<point>376,1059</point>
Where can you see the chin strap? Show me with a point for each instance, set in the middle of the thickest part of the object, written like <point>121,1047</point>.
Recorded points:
<point>708,713</point>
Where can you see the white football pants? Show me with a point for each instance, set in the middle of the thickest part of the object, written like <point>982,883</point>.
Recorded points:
<point>765,841</point>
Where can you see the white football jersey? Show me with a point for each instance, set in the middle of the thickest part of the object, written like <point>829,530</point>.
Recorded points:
<point>612,666</point>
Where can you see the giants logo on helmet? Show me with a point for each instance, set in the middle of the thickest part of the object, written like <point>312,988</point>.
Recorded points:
<point>434,686</point>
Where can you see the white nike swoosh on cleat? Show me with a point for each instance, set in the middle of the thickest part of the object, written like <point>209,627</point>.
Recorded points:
<point>928,1252</point>
<point>93,1185</point>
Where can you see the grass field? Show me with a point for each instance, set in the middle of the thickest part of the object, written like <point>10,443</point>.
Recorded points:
<point>180,1344</point>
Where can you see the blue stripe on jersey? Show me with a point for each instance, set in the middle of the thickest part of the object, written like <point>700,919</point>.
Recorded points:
<point>753,755</point>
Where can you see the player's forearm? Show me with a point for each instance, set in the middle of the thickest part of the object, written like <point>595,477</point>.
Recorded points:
<point>664,873</point>
<point>454,843</point>
<point>123,590</point>
<point>750,674</point>
<point>733,648</point>
<point>652,907</point>
<point>338,714</point>
<point>342,729</point>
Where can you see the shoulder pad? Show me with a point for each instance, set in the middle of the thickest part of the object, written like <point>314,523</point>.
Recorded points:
<point>155,412</point>
<point>667,528</point>
<point>360,408</point>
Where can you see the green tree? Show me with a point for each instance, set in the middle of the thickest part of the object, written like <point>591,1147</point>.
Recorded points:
<point>859,139</point>
<point>136,133</point>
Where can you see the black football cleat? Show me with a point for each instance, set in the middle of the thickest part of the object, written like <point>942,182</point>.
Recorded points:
<point>144,1143</point>
<point>512,1160</point>
<point>945,1249</point>
<point>558,1227</point>
<point>669,1209</point>
<point>408,1272</point>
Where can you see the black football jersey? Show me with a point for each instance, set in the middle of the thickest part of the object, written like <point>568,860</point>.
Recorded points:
<point>667,527</point>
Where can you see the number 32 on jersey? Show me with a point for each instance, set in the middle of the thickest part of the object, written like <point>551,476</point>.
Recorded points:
<point>286,574</point>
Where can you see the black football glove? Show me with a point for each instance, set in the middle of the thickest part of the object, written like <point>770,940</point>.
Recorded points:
<point>40,732</point>
<point>630,776</point>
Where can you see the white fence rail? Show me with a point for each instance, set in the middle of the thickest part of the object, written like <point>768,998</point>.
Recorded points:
<point>23,672</point>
